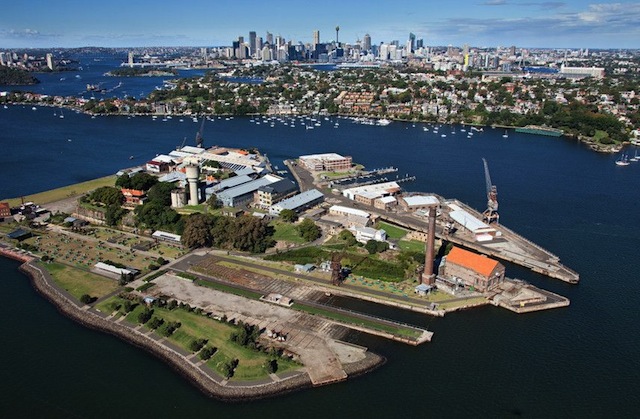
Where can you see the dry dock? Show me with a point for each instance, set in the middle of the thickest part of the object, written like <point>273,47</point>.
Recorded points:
<point>521,297</point>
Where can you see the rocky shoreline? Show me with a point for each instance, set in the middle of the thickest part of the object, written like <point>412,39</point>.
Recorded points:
<point>199,378</point>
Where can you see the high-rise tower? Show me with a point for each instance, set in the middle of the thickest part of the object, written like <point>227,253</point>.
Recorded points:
<point>366,42</point>
<point>337,32</point>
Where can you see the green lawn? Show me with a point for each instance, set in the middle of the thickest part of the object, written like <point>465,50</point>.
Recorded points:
<point>393,232</point>
<point>411,245</point>
<point>286,232</point>
<point>78,282</point>
<point>64,192</point>
<point>195,326</point>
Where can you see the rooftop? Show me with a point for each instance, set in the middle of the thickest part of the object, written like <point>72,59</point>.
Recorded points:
<point>477,263</point>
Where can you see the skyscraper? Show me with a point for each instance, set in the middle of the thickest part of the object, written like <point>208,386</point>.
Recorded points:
<point>130,58</point>
<point>270,38</point>
<point>50,64</point>
<point>366,42</point>
<point>412,42</point>
<point>252,43</point>
<point>316,38</point>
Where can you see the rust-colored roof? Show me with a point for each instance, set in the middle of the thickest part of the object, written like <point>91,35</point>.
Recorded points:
<point>132,192</point>
<point>478,263</point>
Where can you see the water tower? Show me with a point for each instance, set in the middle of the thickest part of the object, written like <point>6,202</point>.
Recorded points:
<point>193,177</point>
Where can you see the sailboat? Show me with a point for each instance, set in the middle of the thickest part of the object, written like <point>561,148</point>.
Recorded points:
<point>505,135</point>
<point>635,156</point>
<point>623,160</point>
<point>61,114</point>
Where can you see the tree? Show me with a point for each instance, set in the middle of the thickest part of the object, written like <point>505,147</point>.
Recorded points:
<point>252,234</point>
<point>207,352</point>
<point>107,195</point>
<point>155,322</point>
<point>348,238</point>
<point>86,299</point>
<point>161,192</point>
<point>309,230</point>
<point>143,181</point>
<point>212,202</point>
<point>288,215</point>
<point>124,181</point>
<point>144,316</point>
<point>197,231</point>
<point>271,366</point>
<point>374,246</point>
<point>157,216</point>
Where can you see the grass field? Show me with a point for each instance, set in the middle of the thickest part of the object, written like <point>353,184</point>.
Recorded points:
<point>411,245</point>
<point>393,232</point>
<point>78,282</point>
<point>286,232</point>
<point>65,192</point>
<point>195,326</point>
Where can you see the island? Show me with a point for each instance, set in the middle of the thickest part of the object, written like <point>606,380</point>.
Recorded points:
<point>142,72</point>
<point>210,260</point>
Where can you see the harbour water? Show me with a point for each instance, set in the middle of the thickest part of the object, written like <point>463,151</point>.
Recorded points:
<point>580,361</point>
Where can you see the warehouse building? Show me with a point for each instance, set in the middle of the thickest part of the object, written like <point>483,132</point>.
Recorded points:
<point>298,202</point>
<point>328,162</point>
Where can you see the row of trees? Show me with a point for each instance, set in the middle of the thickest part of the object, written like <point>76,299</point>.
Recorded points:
<point>245,233</point>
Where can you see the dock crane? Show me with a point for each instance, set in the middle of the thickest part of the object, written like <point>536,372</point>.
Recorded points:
<point>491,213</point>
<point>199,138</point>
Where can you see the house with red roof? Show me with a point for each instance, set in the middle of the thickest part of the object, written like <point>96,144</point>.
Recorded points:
<point>475,271</point>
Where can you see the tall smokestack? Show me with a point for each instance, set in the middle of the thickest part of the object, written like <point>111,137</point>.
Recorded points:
<point>428,277</point>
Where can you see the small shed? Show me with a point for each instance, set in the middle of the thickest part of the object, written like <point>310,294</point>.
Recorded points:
<point>305,268</point>
<point>19,234</point>
<point>423,289</point>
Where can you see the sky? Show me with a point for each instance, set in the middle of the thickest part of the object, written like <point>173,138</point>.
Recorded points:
<point>490,23</point>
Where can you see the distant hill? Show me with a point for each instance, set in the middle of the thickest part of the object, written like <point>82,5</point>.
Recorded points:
<point>16,77</point>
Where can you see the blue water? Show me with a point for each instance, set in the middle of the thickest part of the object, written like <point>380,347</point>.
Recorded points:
<point>581,361</point>
<point>91,69</point>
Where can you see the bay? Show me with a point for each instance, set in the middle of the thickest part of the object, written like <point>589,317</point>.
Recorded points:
<point>580,361</point>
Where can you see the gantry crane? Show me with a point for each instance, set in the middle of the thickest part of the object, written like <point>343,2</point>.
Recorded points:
<point>491,213</point>
<point>199,138</point>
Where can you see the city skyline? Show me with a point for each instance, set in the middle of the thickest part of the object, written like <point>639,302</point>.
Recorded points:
<point>560,24</point>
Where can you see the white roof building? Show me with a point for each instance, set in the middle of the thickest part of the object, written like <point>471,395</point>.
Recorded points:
<point>340,210</point>
<point>421,200</point>
<point>481,230</point>
<point>372,191</point>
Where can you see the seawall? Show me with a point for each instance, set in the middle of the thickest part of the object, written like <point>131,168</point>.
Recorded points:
<point>201,379</point>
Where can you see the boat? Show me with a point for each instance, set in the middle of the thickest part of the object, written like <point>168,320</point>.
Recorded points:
<point>540,130</point>
<point>505,135</point>
<point>635,157</point>
<point>33,108</point>
<point>623,160</point>
<point>61,114</point>
<point>383,122</point>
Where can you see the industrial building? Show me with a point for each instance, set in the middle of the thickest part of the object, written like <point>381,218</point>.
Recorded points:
<point>481,231</point>
<point>475,271</point>
<point>243,194</point>
<point>348,217</point>
<point>328,162</point>
<point>369,193</point>
<point>419,202</point>
<point>270,194</point>
<point>298,202</point>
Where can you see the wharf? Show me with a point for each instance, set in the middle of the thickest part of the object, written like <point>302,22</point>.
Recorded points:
<point>521,297</point>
